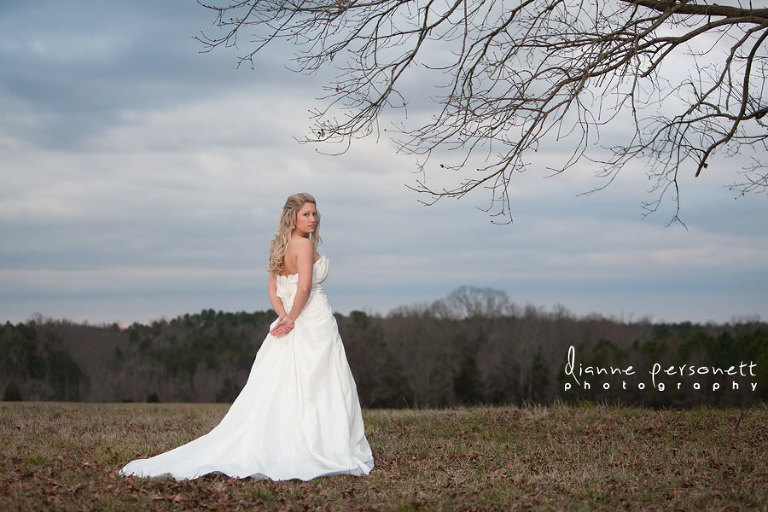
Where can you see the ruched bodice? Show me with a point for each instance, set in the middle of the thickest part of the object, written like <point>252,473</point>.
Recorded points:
<point>286,285</point>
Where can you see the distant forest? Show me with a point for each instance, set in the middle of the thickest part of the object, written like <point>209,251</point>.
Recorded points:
<point>475,346</point>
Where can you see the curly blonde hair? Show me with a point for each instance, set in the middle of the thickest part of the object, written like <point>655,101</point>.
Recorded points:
<point>284,229</point>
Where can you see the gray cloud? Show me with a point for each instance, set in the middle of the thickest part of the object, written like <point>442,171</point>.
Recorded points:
<point>142,178</point>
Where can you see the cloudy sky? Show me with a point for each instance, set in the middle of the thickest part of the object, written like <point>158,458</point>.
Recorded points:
<point>142,179</point>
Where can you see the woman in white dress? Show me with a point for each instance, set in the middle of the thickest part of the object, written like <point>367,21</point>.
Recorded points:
<point>298,416</point>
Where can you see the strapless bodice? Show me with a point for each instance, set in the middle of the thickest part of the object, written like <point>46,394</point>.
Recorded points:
<point>286,285</point>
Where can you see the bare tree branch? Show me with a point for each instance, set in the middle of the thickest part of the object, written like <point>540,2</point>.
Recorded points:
<point>681,81</point>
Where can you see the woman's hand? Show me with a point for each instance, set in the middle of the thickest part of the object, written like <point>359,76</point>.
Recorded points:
<point>283,326</point>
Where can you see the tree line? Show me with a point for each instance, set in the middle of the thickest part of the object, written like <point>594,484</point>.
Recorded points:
<point>474,346</point>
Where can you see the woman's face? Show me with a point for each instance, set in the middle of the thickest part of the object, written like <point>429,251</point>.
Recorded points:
<point>306,219</point>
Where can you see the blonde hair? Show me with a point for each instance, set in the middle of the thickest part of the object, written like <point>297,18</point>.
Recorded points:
<point>284,229</point>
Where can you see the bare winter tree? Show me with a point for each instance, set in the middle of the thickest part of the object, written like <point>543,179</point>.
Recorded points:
<point>672,83</point>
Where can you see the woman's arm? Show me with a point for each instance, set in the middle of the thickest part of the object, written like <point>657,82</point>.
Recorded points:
<point>277,303</point>
<point>304,252</point>
<point>305,259</point>
<point>279,328</point>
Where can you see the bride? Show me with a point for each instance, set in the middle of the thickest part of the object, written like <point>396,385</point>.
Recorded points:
<point>298,415</point>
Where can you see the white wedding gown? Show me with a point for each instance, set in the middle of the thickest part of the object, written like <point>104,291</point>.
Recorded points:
<point>298,415</point>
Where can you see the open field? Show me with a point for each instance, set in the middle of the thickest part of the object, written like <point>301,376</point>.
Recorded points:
<point>65,456</point>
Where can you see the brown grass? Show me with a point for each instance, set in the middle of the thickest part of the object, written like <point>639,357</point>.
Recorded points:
<point>65,456</point>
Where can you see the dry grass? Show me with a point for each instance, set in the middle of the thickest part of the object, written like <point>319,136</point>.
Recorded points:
<point>64,456</point>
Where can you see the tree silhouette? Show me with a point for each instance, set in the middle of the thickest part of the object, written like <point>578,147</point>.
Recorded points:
<point>672,83</point>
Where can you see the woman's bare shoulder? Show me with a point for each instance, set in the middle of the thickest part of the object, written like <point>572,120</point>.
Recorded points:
<point>300,245</point>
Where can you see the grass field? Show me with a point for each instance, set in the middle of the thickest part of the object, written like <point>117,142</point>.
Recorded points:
<point>65,456</point>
